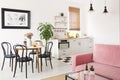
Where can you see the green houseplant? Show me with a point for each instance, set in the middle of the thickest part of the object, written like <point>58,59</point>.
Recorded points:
<point>46,31</point>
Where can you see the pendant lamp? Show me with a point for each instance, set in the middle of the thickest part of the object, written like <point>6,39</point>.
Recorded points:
<point>105,8</point>
<point>91,6</point>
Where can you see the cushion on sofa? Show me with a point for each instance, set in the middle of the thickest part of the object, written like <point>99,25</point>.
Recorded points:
<point>107,54</point>
<point>111,72</point>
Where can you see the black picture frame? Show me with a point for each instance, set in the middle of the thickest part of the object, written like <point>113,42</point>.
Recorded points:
<point>15,18</point>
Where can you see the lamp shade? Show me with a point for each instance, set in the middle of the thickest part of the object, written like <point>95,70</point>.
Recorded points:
<point>105,10</point>
<point>91,7</point>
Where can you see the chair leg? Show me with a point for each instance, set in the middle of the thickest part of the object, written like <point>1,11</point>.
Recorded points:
<point>41,64</point>
<point>12,65</point>
<point>32,67</point>
<point>33,57</point>
<point>26,68</point>
<point>21,66</point>
<point>36,62</point>
<point>3,63</point>
<point>29,62</point>
<point>15,68</point>
<point>51,63</point>
<point>46,61</point>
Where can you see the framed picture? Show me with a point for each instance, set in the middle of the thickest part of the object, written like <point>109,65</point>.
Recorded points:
<point>15,19</point>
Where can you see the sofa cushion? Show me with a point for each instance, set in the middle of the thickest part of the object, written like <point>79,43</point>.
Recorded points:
<point>107,54</point>
<point>111,72</point>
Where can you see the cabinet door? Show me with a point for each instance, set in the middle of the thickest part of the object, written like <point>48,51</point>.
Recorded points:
<point>81,45</point>
<point>87,45</point>
<point>64,53</point>
<point>75,46</point>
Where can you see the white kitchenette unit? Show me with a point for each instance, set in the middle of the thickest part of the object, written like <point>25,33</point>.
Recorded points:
<point>67,47</point>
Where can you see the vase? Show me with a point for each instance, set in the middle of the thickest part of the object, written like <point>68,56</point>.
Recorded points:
<point>29,42</point>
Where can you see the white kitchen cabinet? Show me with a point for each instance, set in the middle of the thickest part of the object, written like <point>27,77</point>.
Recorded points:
<point>76,46</point>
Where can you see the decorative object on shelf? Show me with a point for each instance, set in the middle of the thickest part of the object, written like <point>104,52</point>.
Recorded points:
<point>77,35</point>
<point>61,14</point>
<point>29,36</point>
<point>105,8</point>
<point>15,19</point>
<point>68,34</point>
<point>46,31</point>
<point>91,6</point>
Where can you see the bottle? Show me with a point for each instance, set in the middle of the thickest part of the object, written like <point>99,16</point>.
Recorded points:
<point>91,74</point>
<point>86,72</point>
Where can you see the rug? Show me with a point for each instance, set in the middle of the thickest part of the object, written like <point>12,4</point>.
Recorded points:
<point>58,77</point>
<point>65,60</point>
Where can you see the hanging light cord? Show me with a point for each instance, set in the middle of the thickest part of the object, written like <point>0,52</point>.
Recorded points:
<point>105,2</point>
<point>91,2</point>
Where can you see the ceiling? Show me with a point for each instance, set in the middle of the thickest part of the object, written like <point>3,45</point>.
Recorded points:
<point>81,1</point>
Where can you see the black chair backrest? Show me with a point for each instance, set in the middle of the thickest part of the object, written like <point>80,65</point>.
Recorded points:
<point>23,53</point>
<point>7,49</point>
<point>48,47</point>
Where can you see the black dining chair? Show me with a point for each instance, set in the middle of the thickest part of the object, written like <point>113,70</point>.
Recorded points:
<point>22,57</point>
<point>7,50</point>
<point>47,54</point>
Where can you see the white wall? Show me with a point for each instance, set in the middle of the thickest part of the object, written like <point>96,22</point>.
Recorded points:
<point>104,28</point>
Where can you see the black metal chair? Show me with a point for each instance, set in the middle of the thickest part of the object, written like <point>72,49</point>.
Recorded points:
<point>22,57</point>
<point>7,50</point>
<point>47,54</point>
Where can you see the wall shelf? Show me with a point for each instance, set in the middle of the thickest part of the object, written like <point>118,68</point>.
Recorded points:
<point>60,21</point>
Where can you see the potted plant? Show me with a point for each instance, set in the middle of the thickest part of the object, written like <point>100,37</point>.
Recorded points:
<point>46,31</point>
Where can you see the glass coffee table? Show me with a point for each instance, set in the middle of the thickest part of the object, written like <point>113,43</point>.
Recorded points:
<point>80,76</point>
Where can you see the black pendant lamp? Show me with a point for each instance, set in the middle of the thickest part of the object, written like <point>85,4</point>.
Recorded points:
<point>105,8</point>
<point>91,6</point>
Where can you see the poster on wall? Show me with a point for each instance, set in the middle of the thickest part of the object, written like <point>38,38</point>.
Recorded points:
<point>15,19</point>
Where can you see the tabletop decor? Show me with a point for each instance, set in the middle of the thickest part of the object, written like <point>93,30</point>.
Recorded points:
<point>29,36</point>
<point>15,18</point>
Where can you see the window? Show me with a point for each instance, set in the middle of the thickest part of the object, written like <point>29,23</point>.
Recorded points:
<point>74,18</point>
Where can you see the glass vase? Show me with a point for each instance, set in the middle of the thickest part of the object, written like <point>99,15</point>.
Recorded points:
<point>29,42</point>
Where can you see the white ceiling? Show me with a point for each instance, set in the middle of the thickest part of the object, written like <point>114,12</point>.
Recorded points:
<point>81,1</point>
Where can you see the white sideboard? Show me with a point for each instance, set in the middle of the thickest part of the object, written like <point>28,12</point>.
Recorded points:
<point>76,46</point>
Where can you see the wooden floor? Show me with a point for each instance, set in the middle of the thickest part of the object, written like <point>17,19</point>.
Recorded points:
<point>58,77</point>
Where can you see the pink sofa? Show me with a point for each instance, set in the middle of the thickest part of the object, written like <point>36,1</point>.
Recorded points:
<point>105,59</point>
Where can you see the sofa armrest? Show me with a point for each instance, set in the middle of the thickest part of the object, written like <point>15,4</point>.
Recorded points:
<point>81,59</point>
